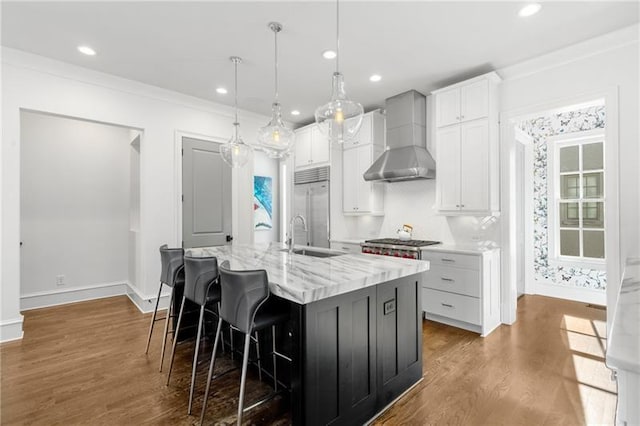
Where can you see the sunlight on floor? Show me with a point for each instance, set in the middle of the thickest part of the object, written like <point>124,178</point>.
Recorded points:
<point>587,341</point>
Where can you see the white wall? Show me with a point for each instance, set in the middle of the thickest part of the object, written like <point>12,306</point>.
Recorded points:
<point>41,84</point>
<point>593,66</point>
<point>265,166</point>
<point>74,203</point>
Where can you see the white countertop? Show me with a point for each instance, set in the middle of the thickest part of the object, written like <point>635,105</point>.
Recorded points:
<point>305,279</point>
<point>460,248</point>
<point>623,351</point>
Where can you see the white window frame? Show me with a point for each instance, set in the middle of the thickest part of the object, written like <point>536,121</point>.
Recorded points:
<point>554,144</point>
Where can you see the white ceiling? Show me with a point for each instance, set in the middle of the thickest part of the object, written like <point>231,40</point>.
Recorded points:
<point>184,46</point>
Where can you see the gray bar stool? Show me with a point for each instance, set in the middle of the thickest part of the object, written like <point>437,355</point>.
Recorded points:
<point>244,305</point>
<point>172,275</point>
<point>201,287</point>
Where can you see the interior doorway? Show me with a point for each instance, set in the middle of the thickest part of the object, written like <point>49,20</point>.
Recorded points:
<point>79,209</point>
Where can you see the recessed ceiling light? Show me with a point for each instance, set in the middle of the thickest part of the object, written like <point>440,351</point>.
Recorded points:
<point>329,54</point>
<point>295,112</point>
<point>221,90</point>
<point>86,50</point>
<point>530,9</point>
<point>375,78</point>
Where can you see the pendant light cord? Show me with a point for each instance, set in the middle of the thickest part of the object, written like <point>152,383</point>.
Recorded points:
<point>235,91</point>
<point>275,37</point>
<point>337,36</point>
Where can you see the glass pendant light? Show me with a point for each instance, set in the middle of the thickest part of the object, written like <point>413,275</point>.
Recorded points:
<point>236,153</point>
<point>341,118</point>
<point>276,139</point>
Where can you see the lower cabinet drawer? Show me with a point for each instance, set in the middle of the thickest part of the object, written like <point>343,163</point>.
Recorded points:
<point>453,280</point>
<point>454,306</point>
<point>348,247</point>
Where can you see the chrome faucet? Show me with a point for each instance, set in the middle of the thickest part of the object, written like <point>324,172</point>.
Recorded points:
<point>290,232</point>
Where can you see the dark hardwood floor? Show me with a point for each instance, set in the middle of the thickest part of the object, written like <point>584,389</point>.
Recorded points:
<point>84,364</point>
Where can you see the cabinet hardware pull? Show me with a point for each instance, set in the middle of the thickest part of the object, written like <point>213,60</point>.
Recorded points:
<point>447,305</point>
<point>457,205</point>
<point>447,279</point>
<point>462,117</point>
<point>446,259</point>
<point>461,205</point>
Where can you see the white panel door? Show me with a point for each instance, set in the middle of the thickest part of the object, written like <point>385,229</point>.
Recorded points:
<point>448,163</point>
<point>447,107</point>
<point>474,163</point>
<point>319,146</point>
<point>474,101</point>
<point>363,188</point>
<point>364,136</point>
<point>206,192</point>
<point>350,180</point>
<point>303,148</point>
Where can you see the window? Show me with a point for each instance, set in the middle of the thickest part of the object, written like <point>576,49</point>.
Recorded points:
<point>576,198</point>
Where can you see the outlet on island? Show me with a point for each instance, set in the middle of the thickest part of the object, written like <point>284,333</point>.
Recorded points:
<point>59,280</point>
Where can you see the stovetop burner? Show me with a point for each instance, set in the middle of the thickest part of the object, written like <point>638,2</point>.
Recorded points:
<point>399,242</point>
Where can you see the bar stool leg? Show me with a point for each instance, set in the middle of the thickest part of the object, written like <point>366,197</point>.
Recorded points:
<point>175,339</point>
<point>274,357</point>
<point>211,368</point>
<point>166,327</point>
<point>153,319</point>
<point>195,359</point>
<point>258,356</point>
<point>243,378</point>
<point>231,340</point>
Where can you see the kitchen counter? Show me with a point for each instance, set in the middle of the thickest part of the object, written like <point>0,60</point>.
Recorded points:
<point>460,248</point>
<point>354,334</point>
<point>305,279</point>
<point>623,351</point>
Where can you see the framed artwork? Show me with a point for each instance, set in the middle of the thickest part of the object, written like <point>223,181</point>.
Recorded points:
<point>262,203</point>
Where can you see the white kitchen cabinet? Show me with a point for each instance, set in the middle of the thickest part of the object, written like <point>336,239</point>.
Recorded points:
<point>467,147</point>
<point>358,195</point>
<point>462,103</point>
<point>352,248</point>
<point>312,148</point>
<point>462,288</point>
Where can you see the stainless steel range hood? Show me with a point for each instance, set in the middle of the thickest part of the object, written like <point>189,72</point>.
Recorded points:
<point>406,156</point>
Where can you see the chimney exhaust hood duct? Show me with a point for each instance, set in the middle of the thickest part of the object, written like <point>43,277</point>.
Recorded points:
<point>406,156</point>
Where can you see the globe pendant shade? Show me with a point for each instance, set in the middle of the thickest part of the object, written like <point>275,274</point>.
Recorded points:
<point>341,118</point>
<point>276,139</point>
<point>235,152</point>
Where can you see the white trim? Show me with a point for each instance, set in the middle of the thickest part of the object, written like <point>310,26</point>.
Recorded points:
<point>554,144</point>
<point>593,47</point>
<point>146,303</point>
<point>576,294</point>
<point>11,330</point>
<point>508,121</point>
<point>44,299</point>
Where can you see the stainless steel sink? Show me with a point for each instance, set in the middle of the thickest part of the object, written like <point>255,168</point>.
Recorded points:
<point>315,253</point>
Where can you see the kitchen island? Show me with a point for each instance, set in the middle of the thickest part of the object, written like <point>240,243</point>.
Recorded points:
<point>355,335</point>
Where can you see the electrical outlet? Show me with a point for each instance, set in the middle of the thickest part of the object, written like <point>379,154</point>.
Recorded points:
<point>59,280</point>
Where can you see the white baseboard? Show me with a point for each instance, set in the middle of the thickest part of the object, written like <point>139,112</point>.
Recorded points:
<point>146,303</point>
<point>11,330</point>
<point>576,294</point>
<point>56,297</point>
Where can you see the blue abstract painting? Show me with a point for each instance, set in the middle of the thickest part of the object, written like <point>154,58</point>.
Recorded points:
<point>262,202</point>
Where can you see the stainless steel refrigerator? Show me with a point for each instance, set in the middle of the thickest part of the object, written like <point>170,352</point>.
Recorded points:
<point>311,200</point>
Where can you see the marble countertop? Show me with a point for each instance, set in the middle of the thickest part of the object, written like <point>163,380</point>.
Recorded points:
<point>623,352</point>
<point>461,248</point>
<point>305,279</point>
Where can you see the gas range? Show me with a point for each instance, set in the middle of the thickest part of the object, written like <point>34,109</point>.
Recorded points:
<point>407,249</point>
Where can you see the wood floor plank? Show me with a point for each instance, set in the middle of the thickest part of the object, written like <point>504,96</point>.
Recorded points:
<point>84,363</point>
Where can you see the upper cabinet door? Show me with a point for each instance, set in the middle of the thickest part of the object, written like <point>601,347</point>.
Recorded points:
<point>447,107</point>
<point>448,161</point>
<point>303,148</point>
<point>349,180</point>
<point>474,162</point>
<point>364,154</point>
<point>319,146</point>
<point>364,136</point>
<point>474,100</point>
